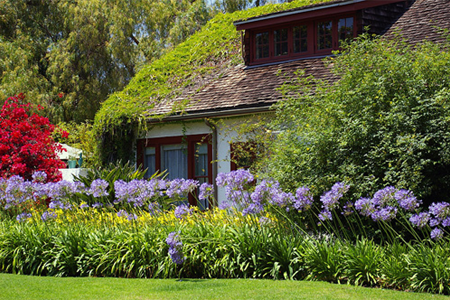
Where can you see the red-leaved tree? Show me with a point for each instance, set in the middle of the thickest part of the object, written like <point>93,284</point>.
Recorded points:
<point>26,143</point>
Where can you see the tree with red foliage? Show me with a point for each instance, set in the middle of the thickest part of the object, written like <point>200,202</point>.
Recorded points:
<point>26,142</point>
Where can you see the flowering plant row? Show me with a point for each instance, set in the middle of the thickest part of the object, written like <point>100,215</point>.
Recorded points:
<point>18,196</point>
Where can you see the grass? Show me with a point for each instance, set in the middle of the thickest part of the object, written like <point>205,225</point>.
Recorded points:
<point>31,287</point>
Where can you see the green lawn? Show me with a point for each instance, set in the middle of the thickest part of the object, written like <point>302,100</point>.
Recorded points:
<point>29,287</point>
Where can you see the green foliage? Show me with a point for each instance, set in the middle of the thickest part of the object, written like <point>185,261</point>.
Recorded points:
<point>384,122</point>
<point>216,244</point>
<point>70,55</point>
<point>206,53</point>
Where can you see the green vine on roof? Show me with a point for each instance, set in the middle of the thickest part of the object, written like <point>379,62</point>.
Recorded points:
<point>124,115</point>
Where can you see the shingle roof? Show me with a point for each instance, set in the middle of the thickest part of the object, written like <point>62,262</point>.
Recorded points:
<point>420,21</point>
<point>241,87</point>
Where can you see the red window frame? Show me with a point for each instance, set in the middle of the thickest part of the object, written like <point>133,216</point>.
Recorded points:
<point>190,141</point>
<point>312,39</point>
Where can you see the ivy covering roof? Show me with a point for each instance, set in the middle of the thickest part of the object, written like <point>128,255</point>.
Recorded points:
<point>184,70</point>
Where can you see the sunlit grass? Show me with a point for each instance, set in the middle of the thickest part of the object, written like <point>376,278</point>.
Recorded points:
<point>30,287</point>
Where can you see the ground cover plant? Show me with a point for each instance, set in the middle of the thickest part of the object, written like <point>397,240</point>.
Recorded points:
<point>386,240</point>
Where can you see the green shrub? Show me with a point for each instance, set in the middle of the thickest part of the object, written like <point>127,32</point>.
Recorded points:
<point>384,122</point>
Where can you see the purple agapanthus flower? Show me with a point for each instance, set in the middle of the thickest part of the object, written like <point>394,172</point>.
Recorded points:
<point>325,215</point>
<point>236,185</point>
<point>407,200</point>
<point>330,199</point>
<point>303,200</point>
<point>39,176</point>
<point>384,214</point>
<point>55,204</point>
<point>436,233</point>
<point>175,247</point>
<point>206,191</point>
<point>440,210</point>
<point>364,206</point>
<point>420,220</point>
<point>235,179</point>
<point>97,205</point>
<point>182,211</point>
<point>23,217</point>
<point>98,188</point>
<point>181,187</point>
<point>63,189</point>
<point>47,215</point>
<point>446,222</point>
<point>384,196</point>
<point>124,214</point>
<point>435,222</point>
<point>224,205</point>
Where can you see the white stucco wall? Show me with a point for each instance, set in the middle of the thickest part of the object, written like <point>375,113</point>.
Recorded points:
<point>226,133</point>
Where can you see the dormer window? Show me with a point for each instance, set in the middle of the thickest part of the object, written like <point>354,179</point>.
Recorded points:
<point>300,40</point>
<point>314,30</point>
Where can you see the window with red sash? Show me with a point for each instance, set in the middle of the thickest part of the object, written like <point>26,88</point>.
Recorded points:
<point>186,157</point>
<point>297,40</point>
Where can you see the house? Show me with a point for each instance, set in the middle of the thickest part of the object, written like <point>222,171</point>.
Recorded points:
<point>197,142</point>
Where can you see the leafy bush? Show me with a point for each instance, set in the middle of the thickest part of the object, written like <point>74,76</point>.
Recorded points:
<point>384,122</point>
<point>26,145</point>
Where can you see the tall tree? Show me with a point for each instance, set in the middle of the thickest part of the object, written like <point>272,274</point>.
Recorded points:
<point>70,55</point>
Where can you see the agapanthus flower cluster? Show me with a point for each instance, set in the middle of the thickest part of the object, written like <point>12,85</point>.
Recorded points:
<point>303,199</point>
<point>236,185</point>
<point>407,200</point>
<point>264,193</point>
<point>181,188</point>
<point>23,217</point>
<point>385,202</point>
<point>436,233</point>
<point>182,210</point>
<point>136,192</point>
<point>39,176</point>
<point>48,215</point>
<point>15,190</point>
<point>98,188</point>
<point>330,200</point>
<point>420,220</point>
<point>63,190</point>
<point>175,247</point>
<point>206,191</point>
<point>385,213</point>
<point>124,214</point>
<point>440,211</point>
